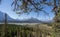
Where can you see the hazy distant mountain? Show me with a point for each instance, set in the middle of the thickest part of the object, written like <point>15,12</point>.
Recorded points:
<point>2,17</point>
<point>9,19</point>
<point>31,20</point>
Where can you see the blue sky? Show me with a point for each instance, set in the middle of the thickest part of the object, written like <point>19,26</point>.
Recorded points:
<point>7,8</point>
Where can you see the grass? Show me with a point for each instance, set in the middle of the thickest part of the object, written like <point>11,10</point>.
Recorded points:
<point>32,30</point>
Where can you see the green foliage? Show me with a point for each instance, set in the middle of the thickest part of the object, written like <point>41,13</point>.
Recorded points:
<point>11,30</point>
<point>20,30</point>
<point>56,30</point>
<point>26,6</point>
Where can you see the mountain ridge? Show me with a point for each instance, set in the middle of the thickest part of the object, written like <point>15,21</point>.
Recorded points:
<point>11,20</point>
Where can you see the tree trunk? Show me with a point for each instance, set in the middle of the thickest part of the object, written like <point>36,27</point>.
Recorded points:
<point>18,33</point>
<point>4,26</point>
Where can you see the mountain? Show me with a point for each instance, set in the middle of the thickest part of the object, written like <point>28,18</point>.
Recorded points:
<point>31,20</point>
<point>11,20</point>
<point>2,17</point>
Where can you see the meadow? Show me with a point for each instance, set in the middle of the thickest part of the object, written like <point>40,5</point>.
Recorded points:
<point>38,30</point>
